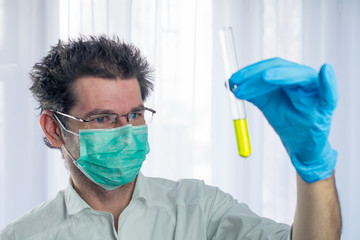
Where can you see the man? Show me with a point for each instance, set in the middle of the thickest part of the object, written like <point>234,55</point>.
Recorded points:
<point>91,93</point>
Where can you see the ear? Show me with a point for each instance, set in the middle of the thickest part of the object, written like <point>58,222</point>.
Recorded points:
<point>51,129</point>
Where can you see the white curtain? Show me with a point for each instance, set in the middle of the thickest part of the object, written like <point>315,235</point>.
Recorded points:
<point>24,36</point>
<point>192,134</point>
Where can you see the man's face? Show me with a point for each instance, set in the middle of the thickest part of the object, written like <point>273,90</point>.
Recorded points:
<point>96,96</point>
<point>99,96</point>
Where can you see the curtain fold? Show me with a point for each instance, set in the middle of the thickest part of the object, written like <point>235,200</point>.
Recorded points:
<point>192,133</point>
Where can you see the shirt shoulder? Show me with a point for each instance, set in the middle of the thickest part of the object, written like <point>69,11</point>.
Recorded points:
<point>40,221</point>
<point>189,193</point>
<point>216,212</point>
<point>183,191</point>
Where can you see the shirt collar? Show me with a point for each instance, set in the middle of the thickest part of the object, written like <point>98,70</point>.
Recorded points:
<point>141,188</point>
<point>74,203</point>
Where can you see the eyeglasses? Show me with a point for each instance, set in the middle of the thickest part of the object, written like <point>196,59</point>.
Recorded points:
<point>106,121</point>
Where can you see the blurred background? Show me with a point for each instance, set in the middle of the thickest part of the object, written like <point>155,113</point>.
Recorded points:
<point>192,133</point>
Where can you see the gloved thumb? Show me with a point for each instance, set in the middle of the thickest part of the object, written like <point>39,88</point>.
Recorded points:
<point>327,88</point>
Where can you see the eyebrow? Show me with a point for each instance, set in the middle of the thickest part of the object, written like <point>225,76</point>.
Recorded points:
<point>99,111</point>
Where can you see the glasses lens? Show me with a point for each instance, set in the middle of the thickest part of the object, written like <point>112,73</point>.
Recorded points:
<point>140,117</point>
<point>103,121</point>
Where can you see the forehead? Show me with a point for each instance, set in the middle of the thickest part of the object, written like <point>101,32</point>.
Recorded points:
<point>116,95</point>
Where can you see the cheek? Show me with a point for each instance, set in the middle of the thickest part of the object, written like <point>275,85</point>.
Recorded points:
<point>72,144</point>
<point>74,125</point>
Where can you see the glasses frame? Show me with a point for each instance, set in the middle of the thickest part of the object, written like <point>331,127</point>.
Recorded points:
<point>118,116</point>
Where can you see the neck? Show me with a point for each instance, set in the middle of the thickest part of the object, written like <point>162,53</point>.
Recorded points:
<point>100,199</point>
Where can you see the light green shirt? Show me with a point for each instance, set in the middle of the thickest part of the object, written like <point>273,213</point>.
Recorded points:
<point>159,209</point>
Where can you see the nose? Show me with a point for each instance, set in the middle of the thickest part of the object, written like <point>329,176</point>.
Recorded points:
<point>122,121</point>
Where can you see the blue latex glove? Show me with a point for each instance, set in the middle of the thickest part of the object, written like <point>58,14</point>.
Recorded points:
<point>298,102</point>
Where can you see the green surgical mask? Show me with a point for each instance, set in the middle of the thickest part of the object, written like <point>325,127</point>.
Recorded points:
<point>112,157</point>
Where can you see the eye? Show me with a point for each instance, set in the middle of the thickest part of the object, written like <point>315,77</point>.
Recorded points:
<point>99,119</point>
<point>102,121</point>
<point>134,115</point>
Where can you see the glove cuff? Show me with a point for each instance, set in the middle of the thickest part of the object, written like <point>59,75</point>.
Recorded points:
<point>315,168</point>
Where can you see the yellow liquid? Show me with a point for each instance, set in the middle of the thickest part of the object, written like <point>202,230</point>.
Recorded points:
<point>242,137</point>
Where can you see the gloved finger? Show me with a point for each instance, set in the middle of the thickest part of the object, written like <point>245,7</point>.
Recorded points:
<point>256,71</point>
<point>255,88</point>
<point>248,83</point>
<point>328,88</point>
<point>303,97</point>
<point>299,75</point>
<point>300,84</point>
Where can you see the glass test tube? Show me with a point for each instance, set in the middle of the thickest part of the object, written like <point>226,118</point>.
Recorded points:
<point>237,106</point>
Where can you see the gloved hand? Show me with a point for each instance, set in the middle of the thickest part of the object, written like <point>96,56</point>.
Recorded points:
<point>298,103</point>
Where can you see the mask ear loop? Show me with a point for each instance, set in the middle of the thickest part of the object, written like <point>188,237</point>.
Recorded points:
<point>68,153</point>
<point>63,127</point>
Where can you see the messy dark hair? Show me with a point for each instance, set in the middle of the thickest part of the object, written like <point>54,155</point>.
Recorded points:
<point>54,76</point>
